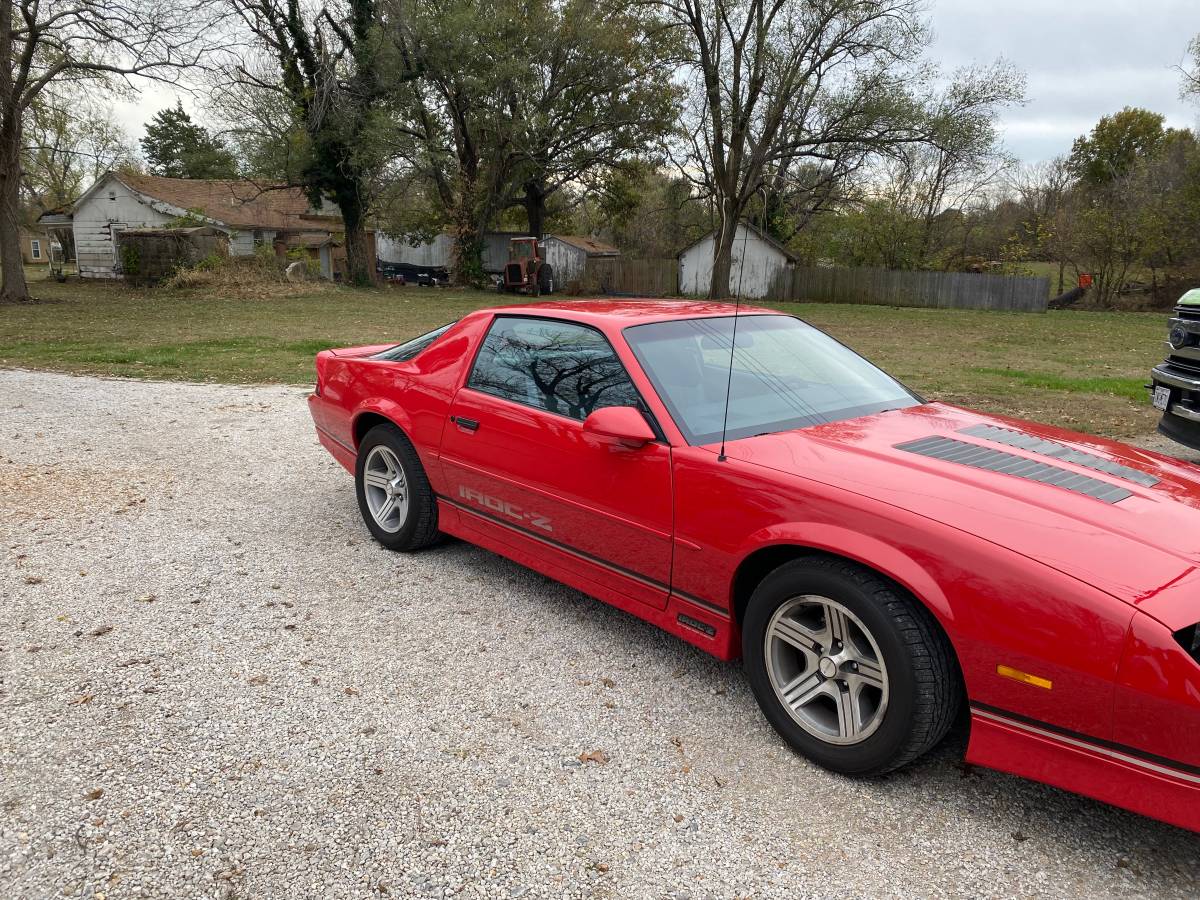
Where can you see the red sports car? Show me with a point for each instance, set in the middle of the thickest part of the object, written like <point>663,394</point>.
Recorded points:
<point>751,485</point>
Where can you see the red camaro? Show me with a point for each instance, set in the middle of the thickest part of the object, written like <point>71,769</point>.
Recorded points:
<point>877,561</point>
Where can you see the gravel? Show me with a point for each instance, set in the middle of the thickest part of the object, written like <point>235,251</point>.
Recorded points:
<point>214,684</point>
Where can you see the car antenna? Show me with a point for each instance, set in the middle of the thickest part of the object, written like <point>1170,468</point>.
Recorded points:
<point>737,302</point>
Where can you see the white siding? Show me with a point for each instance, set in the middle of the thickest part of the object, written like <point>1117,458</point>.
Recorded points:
<point>565,259</point>
<point>241,243</point>
<point>438,252</point>
<point>112,204</point>
<point>435,253</point>
<point>762,263</point>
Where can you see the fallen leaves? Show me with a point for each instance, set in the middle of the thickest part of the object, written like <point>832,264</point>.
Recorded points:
<point>599,757</point>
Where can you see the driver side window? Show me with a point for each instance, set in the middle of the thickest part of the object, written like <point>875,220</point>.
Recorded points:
<point>559,367</point>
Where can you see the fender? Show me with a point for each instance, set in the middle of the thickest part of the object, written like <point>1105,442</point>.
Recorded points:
<point>390,410</point>
<point>869,551</point>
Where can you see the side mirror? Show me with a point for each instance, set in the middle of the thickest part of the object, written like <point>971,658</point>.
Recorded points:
<point>622,425</point>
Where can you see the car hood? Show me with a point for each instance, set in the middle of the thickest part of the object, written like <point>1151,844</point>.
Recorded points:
<point>1124,520</point>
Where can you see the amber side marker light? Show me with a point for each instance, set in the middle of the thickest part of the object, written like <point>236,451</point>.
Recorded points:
<point>1024,677</point>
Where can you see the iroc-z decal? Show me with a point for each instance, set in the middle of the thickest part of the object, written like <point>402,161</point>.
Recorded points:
<point>505,508</point>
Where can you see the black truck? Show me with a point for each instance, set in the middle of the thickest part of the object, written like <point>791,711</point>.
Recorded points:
<point>1176,388</point>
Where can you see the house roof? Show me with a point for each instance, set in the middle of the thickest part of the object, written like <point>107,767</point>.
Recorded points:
<point>589,245</point>
<point>762,235</point>
<point>239,204</point>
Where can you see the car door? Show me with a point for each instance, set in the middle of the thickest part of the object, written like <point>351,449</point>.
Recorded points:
<point>518,466</point>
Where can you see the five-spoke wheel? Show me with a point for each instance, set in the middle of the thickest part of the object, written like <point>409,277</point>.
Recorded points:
<point>826,669</point>
<point>850,669</point>
<point>394,495</point>
<point>386,488</point>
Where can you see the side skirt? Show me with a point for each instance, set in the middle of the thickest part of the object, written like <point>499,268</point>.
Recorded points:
<point>1083,765</point>
<point>709,629</point>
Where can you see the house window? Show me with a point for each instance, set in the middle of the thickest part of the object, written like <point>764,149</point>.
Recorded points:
<point>35,249</point>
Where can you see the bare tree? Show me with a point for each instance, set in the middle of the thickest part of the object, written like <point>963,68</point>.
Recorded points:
<point>70,141</point>
<point>1190,70</point>
<point>44,43</point>
<point>777,81</point>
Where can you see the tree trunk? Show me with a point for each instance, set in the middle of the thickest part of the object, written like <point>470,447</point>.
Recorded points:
<point>359,263</point>
<point>718,288</point>
<point>13,288</point>
<point>534,202</point>
<point>466,258</point>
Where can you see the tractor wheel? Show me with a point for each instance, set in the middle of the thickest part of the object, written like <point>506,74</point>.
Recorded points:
<point>545,279</point>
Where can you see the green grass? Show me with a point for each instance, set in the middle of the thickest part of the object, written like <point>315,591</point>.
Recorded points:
<point>1131,388</point>
<point>1083,370</point>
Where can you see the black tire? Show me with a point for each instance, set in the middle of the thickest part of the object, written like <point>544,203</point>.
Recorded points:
<point>924,684</point>
<point>420,527</point>
<point>545,279</point>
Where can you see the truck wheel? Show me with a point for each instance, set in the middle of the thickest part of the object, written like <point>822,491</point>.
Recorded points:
<point>545,279</point>
<point>394,495</point>
<point>852,672</point>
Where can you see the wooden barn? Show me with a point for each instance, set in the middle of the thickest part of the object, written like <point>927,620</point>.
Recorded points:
<point>249,214</point>
<point>757,260</point>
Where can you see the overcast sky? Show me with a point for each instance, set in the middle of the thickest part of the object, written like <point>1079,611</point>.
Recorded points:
<point>1083,59</point>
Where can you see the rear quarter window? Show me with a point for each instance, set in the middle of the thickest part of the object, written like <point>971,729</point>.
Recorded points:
<point>409,349</point>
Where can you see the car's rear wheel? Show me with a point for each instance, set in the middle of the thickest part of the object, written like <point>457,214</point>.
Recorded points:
<point>851,671</point>
<point>394,495</point>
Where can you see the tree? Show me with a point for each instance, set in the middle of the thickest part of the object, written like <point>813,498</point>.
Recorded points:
<point>643,209</point>
<point>69,143</point>
<point>777,81</point>
<point>334,66</point>
<point>176,147</point>
<point>451,134</point>
<point>1116,143</point>
<point>54,43</point>
<point>593,89</point>
<point>1190,87</point>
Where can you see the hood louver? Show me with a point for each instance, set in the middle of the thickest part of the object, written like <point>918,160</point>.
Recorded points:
<point>989,459</point>
<point>1058,451</point>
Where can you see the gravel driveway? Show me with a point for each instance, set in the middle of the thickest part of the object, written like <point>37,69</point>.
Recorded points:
<point>214,684</point>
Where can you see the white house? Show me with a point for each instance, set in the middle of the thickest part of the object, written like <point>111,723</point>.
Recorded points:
<point>757,259</point>
<point>569,253</point>
<point>250,214</point>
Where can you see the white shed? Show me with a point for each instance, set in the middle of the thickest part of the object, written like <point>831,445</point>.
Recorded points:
<point>249,213</point>
<point>757,259</point>
<point>569,253</point>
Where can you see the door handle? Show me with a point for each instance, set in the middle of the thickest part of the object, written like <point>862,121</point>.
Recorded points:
<point>465,423</point>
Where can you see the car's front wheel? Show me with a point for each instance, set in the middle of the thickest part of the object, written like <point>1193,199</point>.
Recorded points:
<point>851,671</point>
<point>394,495</point>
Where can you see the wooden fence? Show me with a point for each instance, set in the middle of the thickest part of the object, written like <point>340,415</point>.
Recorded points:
<point>632,277</point>
<point>878,287</point>
<point>884,287</point>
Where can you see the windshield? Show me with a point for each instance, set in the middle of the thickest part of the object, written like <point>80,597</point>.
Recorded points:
<point>409,349</point>
<point>786,375</point>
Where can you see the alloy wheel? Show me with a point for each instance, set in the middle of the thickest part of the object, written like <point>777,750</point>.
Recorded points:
<point>385,488</point>
<point>826,669</point>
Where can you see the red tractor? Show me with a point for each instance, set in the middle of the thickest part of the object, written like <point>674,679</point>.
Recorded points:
<point>526,270</point>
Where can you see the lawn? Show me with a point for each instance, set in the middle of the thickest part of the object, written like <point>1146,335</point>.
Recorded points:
<point>1084,370</point>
